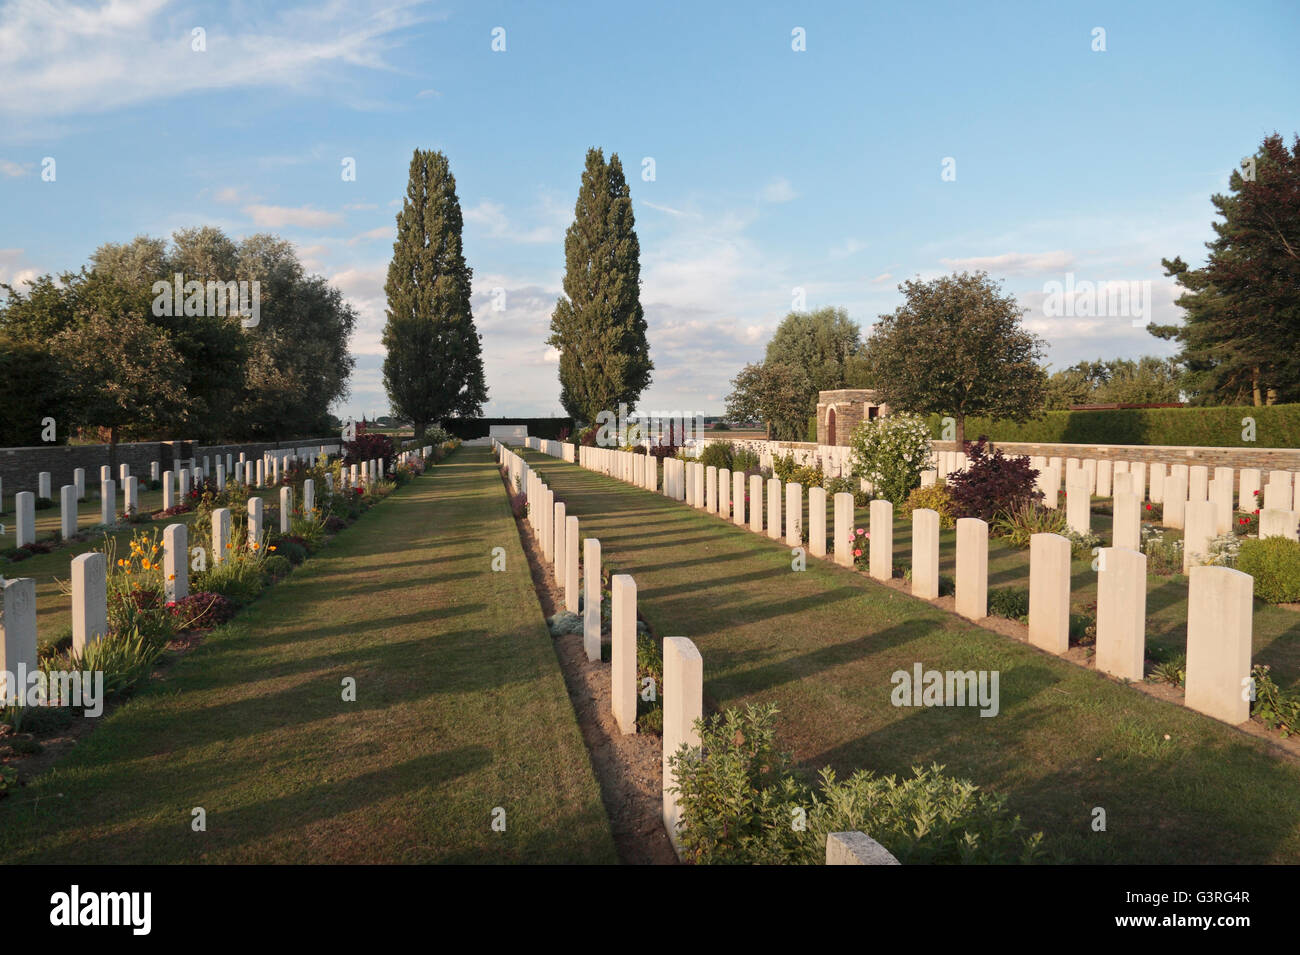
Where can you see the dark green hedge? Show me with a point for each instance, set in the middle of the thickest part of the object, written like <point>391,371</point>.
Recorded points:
<point>469,428</point>
<point>1276,426</point>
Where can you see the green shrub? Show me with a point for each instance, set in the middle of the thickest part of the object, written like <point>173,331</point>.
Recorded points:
<point>239,579</point>
<point>1276,708</point>
<point>1172,671</point>
<point>1274,562</point>
<point>1082,545</point>
<point>716,455</point>
<point>292,550</point>
<point>739,796</point>
<point>43,503</point>
<point>934,498</point>
<point>840,485</point>
<point>1164,554</point>
<point>1026,519</point>
<point>1277,426</point>
<point>742,459</point>
<point>126,660</point>
<point>891,452</point>
<point>1009,602</point>
<point>783,466</point>
<point>276,566</point>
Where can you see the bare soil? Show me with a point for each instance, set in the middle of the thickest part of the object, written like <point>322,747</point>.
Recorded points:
<point>628,768</point>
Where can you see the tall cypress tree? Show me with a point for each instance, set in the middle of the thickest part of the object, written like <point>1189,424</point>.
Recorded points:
<point>598,325</point>
<point>434,365</point>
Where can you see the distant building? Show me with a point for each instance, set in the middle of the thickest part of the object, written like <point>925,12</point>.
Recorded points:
<point>839,412</point>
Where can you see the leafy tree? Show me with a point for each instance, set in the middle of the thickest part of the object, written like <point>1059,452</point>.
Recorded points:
<point>823,344</point>
<point>1240,337</point>
<point>33,386</point>
<point>773,392</point>
<point>598,325</point>
<point>122,371</point>
<point>434,364</point>
<point>1149,380</point>
<point>957,347</point>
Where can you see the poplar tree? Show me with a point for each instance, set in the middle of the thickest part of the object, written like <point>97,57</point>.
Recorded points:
<point>434,365</point>
<point>598,325</point>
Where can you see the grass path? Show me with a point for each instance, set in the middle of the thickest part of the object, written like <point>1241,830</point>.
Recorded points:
<point>461,708</point>
<point>824,642</point>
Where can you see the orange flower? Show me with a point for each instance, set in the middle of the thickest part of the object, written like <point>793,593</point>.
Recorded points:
<point>272,547</point>
<point>171,576</point>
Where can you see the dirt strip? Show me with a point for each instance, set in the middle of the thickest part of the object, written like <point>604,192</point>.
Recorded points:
<point>629,768</point>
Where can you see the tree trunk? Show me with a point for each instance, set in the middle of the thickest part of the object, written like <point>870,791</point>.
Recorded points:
<point>961,432</point>
<point>769,430</point>
<point>419,427</point>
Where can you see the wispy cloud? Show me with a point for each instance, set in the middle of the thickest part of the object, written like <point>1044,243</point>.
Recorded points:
<point>490,216</point>
<point>383,232</point>
<point>1015,263</point>
<point>60,56</point>
<point>277,217</point>
<point>778,190</point>
<point>11,169</point>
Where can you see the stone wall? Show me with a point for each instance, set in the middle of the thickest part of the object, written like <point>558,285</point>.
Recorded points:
<point>1266,459</point>
<point>19,467</point>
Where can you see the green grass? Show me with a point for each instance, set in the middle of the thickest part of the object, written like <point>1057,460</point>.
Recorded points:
<point>461,708</point>
<point>823,643</point>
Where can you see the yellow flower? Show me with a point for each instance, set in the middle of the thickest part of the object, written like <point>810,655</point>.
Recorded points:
<point>121,562</point>
<point>171,576</point>
<point>272,547</point>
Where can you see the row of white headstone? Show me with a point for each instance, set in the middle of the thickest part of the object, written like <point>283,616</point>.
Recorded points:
<point>176,485</point>
<point>1220,599</point>
<point>683,666</point>
<point>682,692</point>
<point>89,571</point>
<point>272,463</point>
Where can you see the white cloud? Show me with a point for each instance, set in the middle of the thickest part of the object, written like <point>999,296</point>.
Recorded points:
<point>491,217</point>
<point>382,232</point>
<point>12,169</point>
<point>61,56</point>
<point>10,271</point>
<point>276,217</point>
<point>667,209</point>
<point>1014,263</point>
<point>881,278</point>
<point>778,190</point>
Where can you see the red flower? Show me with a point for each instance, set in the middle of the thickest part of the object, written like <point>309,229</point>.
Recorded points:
<point>1148,507</point>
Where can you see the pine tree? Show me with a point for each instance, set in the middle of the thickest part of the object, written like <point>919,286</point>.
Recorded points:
<point>1241,335</point>
<point>598,325</point>
<point>434,365</point>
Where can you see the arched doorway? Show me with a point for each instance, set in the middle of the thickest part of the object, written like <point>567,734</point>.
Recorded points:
<point>830,426</point>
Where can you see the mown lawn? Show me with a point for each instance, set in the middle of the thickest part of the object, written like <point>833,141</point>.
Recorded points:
<point>823,644</point>
<point>461,709</point>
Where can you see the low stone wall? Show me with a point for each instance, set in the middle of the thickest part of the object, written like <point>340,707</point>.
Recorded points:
<point>19,467</point>
<point>1265,459</point>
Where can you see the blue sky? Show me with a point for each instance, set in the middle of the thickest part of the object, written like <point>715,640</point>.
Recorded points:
<point>775,169</point>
